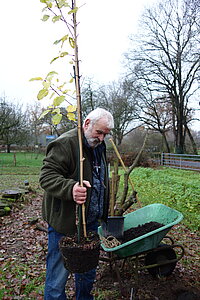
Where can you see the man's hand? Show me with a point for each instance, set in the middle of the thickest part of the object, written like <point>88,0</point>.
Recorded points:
<point>80,193</point>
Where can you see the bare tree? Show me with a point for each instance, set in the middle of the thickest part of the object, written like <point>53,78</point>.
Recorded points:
<point>13,124</point>
<point>118,98</point>
<point>166,59</point>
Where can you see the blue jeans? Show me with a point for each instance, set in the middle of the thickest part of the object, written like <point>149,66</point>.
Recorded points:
<point>57,275</point>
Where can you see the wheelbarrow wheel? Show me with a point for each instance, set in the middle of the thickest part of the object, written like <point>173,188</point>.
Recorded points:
<point>159,257</point>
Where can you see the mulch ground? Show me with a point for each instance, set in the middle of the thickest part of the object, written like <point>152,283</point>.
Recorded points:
<point>23,242</point>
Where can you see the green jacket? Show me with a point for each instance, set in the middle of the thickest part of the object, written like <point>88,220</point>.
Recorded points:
<point>59,173</point>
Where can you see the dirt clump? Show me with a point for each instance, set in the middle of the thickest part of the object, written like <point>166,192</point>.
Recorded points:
<point>140,230</point>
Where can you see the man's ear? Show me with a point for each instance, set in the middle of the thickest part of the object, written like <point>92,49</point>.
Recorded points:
<point>87,122</point>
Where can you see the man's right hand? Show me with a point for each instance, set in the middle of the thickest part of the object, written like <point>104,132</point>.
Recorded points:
<point>80,192</point>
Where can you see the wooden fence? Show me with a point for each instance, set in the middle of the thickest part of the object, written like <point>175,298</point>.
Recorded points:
<point>181,161</point>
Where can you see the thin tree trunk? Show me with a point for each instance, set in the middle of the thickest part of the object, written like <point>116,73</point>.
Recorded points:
<point>194,146</point>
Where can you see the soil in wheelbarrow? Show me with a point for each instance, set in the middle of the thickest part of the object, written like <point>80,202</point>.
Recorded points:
<point>140,230</point>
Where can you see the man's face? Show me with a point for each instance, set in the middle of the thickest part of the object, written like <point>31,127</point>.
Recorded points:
<point>95,133</point>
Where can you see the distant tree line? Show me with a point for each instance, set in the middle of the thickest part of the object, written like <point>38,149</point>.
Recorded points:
<point>157,92</point>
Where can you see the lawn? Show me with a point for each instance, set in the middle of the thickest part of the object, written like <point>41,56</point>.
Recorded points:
<point>18,167</point>
<point>179,189</point>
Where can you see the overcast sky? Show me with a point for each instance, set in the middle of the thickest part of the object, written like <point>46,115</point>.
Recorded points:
<point>27,42</point>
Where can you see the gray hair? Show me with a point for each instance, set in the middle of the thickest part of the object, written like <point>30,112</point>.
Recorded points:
<point>101,113</point>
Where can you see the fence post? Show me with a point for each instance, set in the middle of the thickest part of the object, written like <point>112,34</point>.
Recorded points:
<point>162,159</point>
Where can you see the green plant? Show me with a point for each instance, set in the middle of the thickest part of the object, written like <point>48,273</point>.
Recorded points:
<point>101,294</point>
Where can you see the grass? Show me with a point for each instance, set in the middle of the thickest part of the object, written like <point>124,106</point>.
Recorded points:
<point>26,167</point>
<point>178,189</point>
<point>20,163</point>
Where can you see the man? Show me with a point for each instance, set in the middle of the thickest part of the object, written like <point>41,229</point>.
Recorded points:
<point>59,178</point>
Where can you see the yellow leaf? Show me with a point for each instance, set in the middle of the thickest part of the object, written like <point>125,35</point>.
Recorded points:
<point>71,116</point>
<point>71,80</point>
<point>58,100</point>
<point>72,42</point>
<point>56,119</point>
<point>46,84</point>
<point>66,91</point>
<point>42,93</point>
<point>52,95</point>
<point>35,78</point>
<point>51,73</point>
<point>56,111</point>
<point>71,108</point>
<point>65,37</point>
<point>44,113</point>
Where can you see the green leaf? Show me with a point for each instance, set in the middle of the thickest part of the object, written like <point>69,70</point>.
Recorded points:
<point>45,18</point>
<point>55,58</point>
<point>56,119</point>
<point>44,113</point>
<point>72,42</point>
<point>71,80</point>
<point>57,42</point>
<point>47,2</point>
<point>73,11</point>
<point>62,3</point>
<point>56,18</point>
<point>7,208</point>
<point>42,93</point>
<point>58,100</point>
<point>63,39</point>
<point>63,54</point>
<point>36,78</point>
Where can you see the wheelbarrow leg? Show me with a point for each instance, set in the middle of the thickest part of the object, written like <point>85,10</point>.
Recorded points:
<point>136,271</point>
<point>122,290</point>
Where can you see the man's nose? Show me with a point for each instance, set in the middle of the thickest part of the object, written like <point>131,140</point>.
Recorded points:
<point>101,137</point>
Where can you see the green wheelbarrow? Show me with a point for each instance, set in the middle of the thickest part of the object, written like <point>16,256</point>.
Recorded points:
<point>160,257</point>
